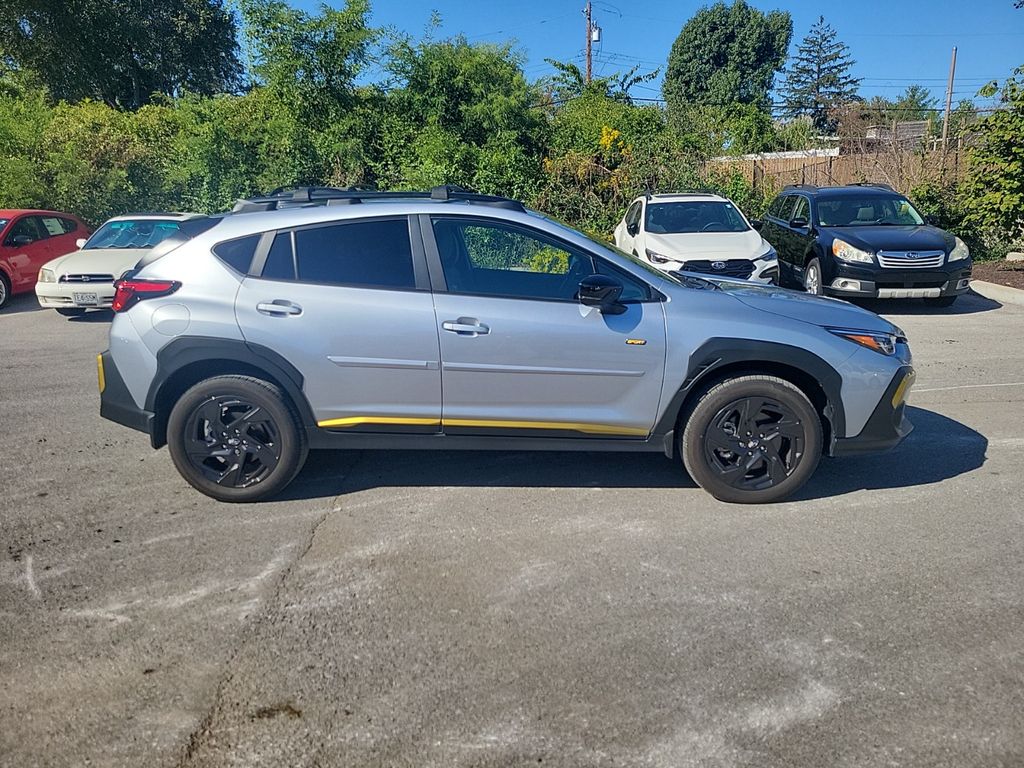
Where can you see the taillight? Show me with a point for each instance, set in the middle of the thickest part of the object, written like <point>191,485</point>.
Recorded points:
<point>130,292</point>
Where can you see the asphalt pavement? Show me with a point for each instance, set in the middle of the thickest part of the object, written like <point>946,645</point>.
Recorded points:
<point>512,609</point>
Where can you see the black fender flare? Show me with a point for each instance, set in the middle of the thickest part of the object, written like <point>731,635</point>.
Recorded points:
<point>719,354</point>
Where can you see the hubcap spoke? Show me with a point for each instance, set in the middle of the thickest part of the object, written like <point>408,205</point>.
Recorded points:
<point>232,442</point>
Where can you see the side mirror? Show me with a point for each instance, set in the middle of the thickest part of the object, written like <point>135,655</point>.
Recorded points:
<point>79,243</point>
<point>798,223</point>
<point>756,224</point>
<point>633,228</point>
<point>19,240</point>
<point>602,292</point>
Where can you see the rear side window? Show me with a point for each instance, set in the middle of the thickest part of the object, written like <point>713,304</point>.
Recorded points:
<point>781,207</point>
<point>374,254</point>
<point>54,226</point>
<point>237,254</point>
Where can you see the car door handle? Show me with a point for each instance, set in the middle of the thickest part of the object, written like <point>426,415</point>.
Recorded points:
<point>465,326</point>
<point>278,308</point>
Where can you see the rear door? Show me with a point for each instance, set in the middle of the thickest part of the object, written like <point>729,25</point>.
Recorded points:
<point>348,304</point>
<point>520,355</point>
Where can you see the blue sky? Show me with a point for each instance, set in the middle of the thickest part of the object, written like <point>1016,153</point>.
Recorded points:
<point>895,42</point>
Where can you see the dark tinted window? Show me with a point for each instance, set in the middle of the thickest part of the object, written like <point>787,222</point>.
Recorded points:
<point>280,263</point>
<point>237,254</point>
<point>69,225</point>
<point>632,289</point>
<point>27,226</point>
<point>375,254</point>
<point>781,207</point>
<point>802,210</point>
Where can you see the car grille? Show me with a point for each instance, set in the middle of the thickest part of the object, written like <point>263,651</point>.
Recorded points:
<point>741,268</point>
<point>90,278</point>
<point>911,259</point>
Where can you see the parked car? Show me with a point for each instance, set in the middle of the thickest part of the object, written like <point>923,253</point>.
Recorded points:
<point>864,241</point>
<point>459,321</point>
<point>84,279</point>
<point>29,239</point>
<point>696,232</point>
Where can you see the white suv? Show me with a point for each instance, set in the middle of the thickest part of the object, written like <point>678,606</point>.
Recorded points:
<point>696,232</point>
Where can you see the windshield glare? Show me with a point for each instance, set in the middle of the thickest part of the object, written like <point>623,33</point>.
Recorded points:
<point>695,216</point>
<point>867,211</point>
<point>132,233</point>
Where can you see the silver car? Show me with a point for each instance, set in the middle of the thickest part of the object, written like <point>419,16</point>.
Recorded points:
<point>325,318</point>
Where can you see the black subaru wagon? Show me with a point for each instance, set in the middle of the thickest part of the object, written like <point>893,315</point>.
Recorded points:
<point>864,241</point>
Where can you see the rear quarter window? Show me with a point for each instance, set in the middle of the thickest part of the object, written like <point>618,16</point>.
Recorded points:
<point>238,253</point>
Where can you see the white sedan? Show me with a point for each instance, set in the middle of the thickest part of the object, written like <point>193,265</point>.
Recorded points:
<point>696,232</point>
<point>84,279</point>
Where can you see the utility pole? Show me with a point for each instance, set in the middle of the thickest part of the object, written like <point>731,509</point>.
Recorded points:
<point>586,12</point>
<point>949,100</point>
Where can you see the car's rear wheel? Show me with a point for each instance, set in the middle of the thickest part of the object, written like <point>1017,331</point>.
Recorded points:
<point>69,312</point>
<point>236,438</point>
<point>940,301</point>
<point>812,278</point>
<point>5,290</point>
<point>752,440</point>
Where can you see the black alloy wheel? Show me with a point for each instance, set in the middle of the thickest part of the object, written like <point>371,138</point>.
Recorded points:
<point>236,438</point>
<point>752,439</point>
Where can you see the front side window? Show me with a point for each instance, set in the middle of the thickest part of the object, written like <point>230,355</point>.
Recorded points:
<point>852,211</point>
<point>694,216</point>
<point>494,259</point>
<point>802,210</point>
<point>633,215</point>
<point>132,233</point>
<point>27,226</point>
<point>782,206</point>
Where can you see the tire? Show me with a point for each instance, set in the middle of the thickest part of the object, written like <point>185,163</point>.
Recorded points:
<point>812,278</point>
<point>273,447</point>
<point>940,301</point>
<point>5,290</point>
<point>780,464</point>
<point>71,312</point>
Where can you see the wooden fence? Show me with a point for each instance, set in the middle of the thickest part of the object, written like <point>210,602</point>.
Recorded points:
<point>902,170</point>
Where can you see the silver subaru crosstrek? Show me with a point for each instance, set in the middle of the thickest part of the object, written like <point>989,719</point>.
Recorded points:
<point>323,318</point>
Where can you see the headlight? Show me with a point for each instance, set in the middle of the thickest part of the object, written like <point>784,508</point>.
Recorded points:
<point>883,343</point>
<point>657,258</point>
<point>846,252</point>
<point>960,251</point>
<point>770,255</point>
<point>46,276</point>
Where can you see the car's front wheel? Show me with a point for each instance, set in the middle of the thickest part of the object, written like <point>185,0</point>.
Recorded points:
<point>5,290</point>
<point>752,440</point>
<point>812,278</point>
<point>236,438</point>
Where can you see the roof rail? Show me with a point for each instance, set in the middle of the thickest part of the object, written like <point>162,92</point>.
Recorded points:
<point>800,186</point>
<point>878,184</point>
<point>310,196</point>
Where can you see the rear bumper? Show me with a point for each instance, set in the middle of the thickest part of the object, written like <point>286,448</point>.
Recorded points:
<point>116,403</point>
<point>873,283</point>
<point>888,424</point>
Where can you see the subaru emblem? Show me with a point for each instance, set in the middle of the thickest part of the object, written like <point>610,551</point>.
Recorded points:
<point>718,265</point>
<point>912,254</point>
<point>85,278</point>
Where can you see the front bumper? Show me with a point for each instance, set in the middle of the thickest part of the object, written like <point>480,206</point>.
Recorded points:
<point>888,423</point>
<point>116,403</point>
<point>63,295</point>
<point>851,281</point>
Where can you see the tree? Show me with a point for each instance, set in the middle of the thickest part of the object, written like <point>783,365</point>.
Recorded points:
<point>916,103</point>
<point>726,55</point>
<point>99,49</point>
<point>996,171</point>
<point>819,77</point>
<point>569,83</point>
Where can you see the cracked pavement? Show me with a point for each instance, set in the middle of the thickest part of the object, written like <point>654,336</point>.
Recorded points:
<point>512,609</point>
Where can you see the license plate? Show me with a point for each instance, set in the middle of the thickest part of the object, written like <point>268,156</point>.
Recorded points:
<point>85,298</point>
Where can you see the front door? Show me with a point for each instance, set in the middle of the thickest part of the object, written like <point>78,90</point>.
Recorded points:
<point>521,356</point>
<point>27,251</point>
<point>351,305</point>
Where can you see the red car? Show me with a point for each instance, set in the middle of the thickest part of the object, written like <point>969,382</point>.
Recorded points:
<point>29,239</point>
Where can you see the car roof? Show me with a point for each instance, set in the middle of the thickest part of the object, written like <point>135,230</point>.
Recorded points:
<point>7,213</point>
<point>849,190</point>
<point>155,217</point>
<point>679,197</point>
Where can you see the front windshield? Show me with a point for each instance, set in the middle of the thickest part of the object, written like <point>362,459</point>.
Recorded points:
<point>132,233</point>
<point>867,211</point>
<point>694,216</point>
<point>3,223</point>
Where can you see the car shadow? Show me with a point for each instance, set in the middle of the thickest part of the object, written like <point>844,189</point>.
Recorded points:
<point>939,448</point>
<point>93,316</point>
<point>969,303</point>
<point>20,304</point>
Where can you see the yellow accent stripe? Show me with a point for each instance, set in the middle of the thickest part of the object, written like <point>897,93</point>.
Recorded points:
<point>903,389</point>
<point>569,426</point>
<point>352,421</point>
<point>99,370</point>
